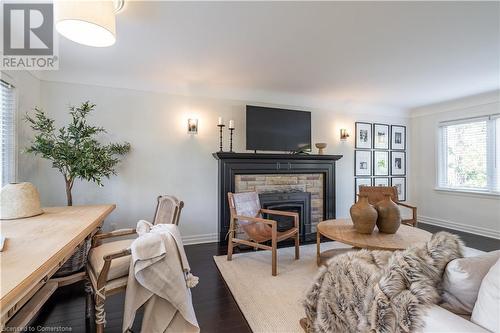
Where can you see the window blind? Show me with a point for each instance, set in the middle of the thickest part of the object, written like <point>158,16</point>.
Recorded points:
<point>468,154</point>
<point>496,168</point>
<point>7,133</point>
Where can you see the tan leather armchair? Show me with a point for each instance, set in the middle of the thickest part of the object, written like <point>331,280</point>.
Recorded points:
<point>377,193</point>
<point>109,262</point>
<point>247,213</point>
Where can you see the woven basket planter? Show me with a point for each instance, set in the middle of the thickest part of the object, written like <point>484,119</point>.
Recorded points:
<point>77,261</point>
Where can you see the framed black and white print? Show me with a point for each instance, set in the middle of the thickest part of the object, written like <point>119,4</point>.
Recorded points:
<point>398,163</point>
<point>380,136</point>
<point>381,181</point>
<point>380,163</point>
<point>360,182</point>
<point>400,184</point>
<point>362,163</point>
<point>398,137</point>
<point>363,135</point>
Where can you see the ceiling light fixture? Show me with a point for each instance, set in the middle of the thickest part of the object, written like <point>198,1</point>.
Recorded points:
<point>89,23</point>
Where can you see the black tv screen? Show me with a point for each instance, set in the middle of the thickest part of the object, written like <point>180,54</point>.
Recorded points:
<point>277,129</point>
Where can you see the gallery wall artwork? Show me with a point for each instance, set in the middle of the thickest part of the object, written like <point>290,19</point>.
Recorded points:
<point>363,163</point>
<point>380,156</point>
<point>400,183</point>
<point>398,137</point>
<point>363,135</point>
<point>381,136</point>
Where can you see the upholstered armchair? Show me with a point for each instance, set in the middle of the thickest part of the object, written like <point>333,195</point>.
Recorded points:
<point>246,213</point>
<point>109,262</point>
<point>377,193</point>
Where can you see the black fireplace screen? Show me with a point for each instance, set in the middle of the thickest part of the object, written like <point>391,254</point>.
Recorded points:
<point>299,202</point>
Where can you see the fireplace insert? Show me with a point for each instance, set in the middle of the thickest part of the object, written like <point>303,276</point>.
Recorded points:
<point>299,202</point>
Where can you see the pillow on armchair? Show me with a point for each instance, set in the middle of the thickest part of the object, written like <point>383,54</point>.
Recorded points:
<point>462,280</point>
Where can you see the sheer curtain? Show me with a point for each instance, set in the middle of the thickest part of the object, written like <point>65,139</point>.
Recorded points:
<point>7,133</point>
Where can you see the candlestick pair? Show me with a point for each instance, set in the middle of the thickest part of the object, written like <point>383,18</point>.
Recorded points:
<point>221,122</point>
<point>231,129</point>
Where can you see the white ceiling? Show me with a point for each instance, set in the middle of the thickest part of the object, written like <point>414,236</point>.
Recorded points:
<point>394,54</point>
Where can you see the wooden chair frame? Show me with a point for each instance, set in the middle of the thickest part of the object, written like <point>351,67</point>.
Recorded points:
<point>275,238</point>
<point>101,290</point>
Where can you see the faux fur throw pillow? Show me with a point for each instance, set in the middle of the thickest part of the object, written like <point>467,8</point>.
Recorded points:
<point>380,291</point>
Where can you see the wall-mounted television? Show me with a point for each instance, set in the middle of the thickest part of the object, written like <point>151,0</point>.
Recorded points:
<point>274,129</point>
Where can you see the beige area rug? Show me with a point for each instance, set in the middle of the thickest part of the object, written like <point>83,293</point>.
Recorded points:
<point>272,303</point>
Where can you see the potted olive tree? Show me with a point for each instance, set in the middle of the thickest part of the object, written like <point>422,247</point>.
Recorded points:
<point>74,149</point>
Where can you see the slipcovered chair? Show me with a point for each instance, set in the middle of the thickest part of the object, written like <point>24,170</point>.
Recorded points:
<point>247,213</point>
<point>377,193</point>
<point>108,263</point>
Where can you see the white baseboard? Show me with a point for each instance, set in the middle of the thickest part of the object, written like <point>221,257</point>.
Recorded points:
<point>482,231</point>
<point>200,239</point>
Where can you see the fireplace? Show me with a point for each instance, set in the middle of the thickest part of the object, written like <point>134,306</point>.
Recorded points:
<point>269,173</point>
<point>298,202</point>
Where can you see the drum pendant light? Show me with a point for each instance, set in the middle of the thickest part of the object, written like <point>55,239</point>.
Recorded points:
<point>89,23</point>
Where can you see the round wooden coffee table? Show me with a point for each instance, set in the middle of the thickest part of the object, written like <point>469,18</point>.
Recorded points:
<point>342,230</point>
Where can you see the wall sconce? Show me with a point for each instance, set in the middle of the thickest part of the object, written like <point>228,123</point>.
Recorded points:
<point>343,134</point>
<point>192,126</point>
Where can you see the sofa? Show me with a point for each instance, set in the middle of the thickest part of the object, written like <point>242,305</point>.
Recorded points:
<point>471,296</point>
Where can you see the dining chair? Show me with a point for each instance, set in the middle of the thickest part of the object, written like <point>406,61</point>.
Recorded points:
<point>109,262</point>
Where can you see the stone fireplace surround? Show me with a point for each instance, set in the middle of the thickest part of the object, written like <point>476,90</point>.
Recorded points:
<point>277,173</point>
<point>312,183</point>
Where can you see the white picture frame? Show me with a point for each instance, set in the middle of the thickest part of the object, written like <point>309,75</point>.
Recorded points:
<point>381,133</point>
<point>398,137</point>
<point>362,163</point>
<point>398,163</point>
<point>400,184</point>
<point>360,182</point>
<point>381,181</point>
<point>363,135</point>
<point>380,163</point>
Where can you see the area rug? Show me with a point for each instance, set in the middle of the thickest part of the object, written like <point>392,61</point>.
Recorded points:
<point>272,303</point>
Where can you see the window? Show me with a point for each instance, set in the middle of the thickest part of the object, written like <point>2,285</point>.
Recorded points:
<point>7,133</point>
<point>469,155</point>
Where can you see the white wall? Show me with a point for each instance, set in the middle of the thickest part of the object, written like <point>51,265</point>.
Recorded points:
<point>165,159</point>
<point>478,214</point>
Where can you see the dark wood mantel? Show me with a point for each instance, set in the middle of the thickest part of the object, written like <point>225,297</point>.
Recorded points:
<point>266,156</point>
<point>232,164</point>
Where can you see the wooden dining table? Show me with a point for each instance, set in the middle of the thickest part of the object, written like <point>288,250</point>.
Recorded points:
<point>34,249</point>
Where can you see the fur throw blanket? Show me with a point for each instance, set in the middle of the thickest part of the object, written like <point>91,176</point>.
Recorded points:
<point>380,291</point>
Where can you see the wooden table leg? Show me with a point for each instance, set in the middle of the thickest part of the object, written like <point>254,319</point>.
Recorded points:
<point>318,253</point>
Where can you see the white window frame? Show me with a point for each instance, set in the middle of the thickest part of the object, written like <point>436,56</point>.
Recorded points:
<point>10,81</point>
<point>492,151</point>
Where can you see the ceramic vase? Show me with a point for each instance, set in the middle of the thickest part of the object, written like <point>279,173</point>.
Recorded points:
<point>321,148</point>
<point>389,216</point>
<point>363,215</point>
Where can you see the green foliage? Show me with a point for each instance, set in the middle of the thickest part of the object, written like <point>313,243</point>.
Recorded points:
<point>74,149</point>
<point>466,155</point>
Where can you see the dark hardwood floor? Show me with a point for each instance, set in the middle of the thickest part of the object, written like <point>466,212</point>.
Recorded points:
<point>214,305</point>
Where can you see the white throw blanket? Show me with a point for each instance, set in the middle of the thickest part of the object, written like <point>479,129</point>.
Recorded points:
<point>160,279</point>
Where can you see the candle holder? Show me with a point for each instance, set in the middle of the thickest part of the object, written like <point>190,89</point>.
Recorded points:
<point>220,126</point>
<point>231,140</point>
